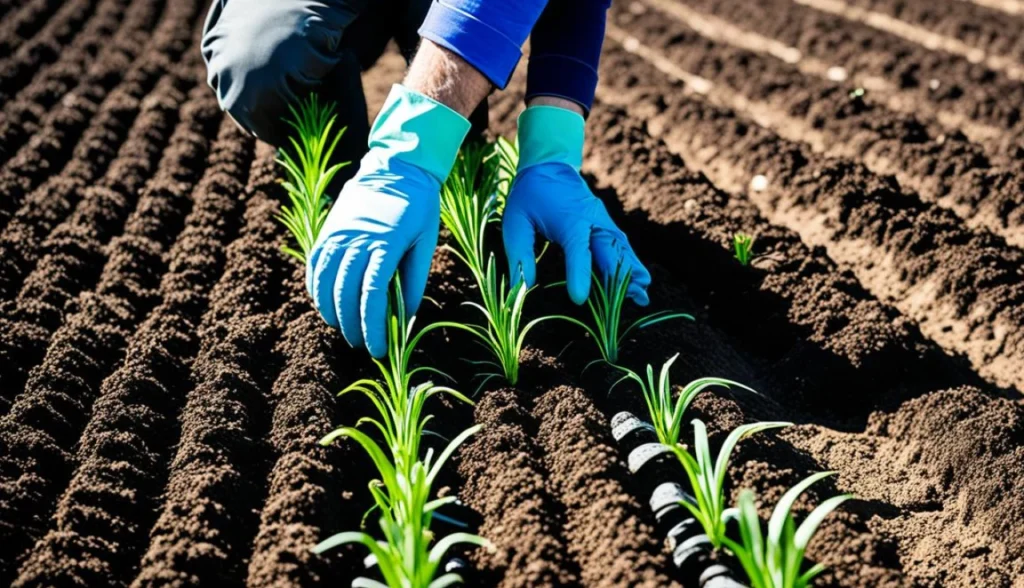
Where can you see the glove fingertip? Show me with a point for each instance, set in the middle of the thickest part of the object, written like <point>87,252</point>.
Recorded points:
<point>579,290</point>
<point>321,274</point>
<point>377,345</point>
<point>638,295</point>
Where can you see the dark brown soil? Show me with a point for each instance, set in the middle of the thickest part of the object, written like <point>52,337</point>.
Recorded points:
<point>165,380</point>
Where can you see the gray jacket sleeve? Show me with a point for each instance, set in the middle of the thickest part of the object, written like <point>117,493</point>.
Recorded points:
<point>263,55</point>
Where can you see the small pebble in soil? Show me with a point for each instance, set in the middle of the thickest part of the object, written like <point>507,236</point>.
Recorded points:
<point>631,44</point>
<point>759,183</point>
<point>837,74</point>
<point>934,84</point>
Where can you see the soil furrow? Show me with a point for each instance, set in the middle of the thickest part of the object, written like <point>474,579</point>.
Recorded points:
<point>915,34</point>
<point>506,482</point>
<point>927,286</point>
<point>992,138</point>
<point>19,27</point>
<point>112,497</point>
<point>44,48</point>
<point>1008,6</point>
<point>44,207</point>
<point>605,526</point>
<point>53,146</point>
<point>305,501</point>
<point>25,113</point>
<point>945,168</point>
<point>24,240</point>
<point>937,472</point>
<point>76,250</point>
<point>814,324</point>
<point>218,475</point>
<point>978,26</point>
<point>499,472</point>
<point>46,420</point>
<point>947,80</point>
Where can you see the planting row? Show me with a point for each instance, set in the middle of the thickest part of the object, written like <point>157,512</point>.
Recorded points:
<point>216,474</point>
<point>977,26</point>
<point>23,114</point>
<point>45,420</point>
<point>947,80</point>
<point>55,140</point>
<point>943,167</point>
<point>127,440</point>
<point>23,24</point>
<point>72,256</point>
<point>45,47</point>
<point>919,240</point>
<point>101,143</point>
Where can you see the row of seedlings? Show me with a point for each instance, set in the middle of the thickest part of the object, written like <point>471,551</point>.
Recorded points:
<point>405,552</point>
<point>691,511</point>
<point>688,502</point>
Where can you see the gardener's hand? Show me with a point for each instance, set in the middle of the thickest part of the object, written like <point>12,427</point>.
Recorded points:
<point>385,219</point>
<point>551,198</point>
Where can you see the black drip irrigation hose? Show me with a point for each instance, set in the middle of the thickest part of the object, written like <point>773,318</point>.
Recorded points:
<point>658,475</point>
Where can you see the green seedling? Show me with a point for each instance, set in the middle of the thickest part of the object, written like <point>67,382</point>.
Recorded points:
<point>707,475</point>
<point>775,560</point>
<point>400,404</point>
<point>469,201</point>
<point>605,304</point>
<point>402,494</point>
<point>502,333</point>
<point>309,173</point>
<point>405,556</point>
<point>508,163</point>
<point>667,412</point>
<point>743,248</point>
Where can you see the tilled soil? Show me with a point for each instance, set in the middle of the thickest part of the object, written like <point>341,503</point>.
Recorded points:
<point>164,379</point>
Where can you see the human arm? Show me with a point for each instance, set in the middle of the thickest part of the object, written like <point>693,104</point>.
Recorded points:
<point>549,196</point>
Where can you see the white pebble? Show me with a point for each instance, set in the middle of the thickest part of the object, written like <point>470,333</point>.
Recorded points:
<point>631,44</point>
<point>759,183</point>
<point>837,74</point>
<point>934,84</point>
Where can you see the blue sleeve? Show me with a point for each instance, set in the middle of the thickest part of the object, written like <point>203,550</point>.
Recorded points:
<point>488,34</point>
<point>565,49</point>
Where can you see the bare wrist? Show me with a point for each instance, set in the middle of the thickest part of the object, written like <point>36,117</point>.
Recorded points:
<point>442,75</point>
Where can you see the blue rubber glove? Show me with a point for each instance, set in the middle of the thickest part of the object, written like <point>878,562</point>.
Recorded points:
<point>551,198</point>
<point>386,219</point>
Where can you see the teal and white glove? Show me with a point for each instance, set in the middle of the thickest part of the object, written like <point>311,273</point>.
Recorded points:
<point>551,198</point>
<point>386,219</point>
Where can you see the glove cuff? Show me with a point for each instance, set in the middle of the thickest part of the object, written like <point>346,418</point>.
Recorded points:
<point>419,131</point>
<point>548,134</point>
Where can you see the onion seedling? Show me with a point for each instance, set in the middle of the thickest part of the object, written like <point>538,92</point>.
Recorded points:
<point>605,303</point>
<point>707,476</point>
<point>502,333</point>
<point>743,248</point>
<point>469,202</point>
<point>309,173</point>
<point>405,556</point>
<point>400,405</point>
<point>667,412</point>
<point>775,560</point>
<point>508,164</point>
